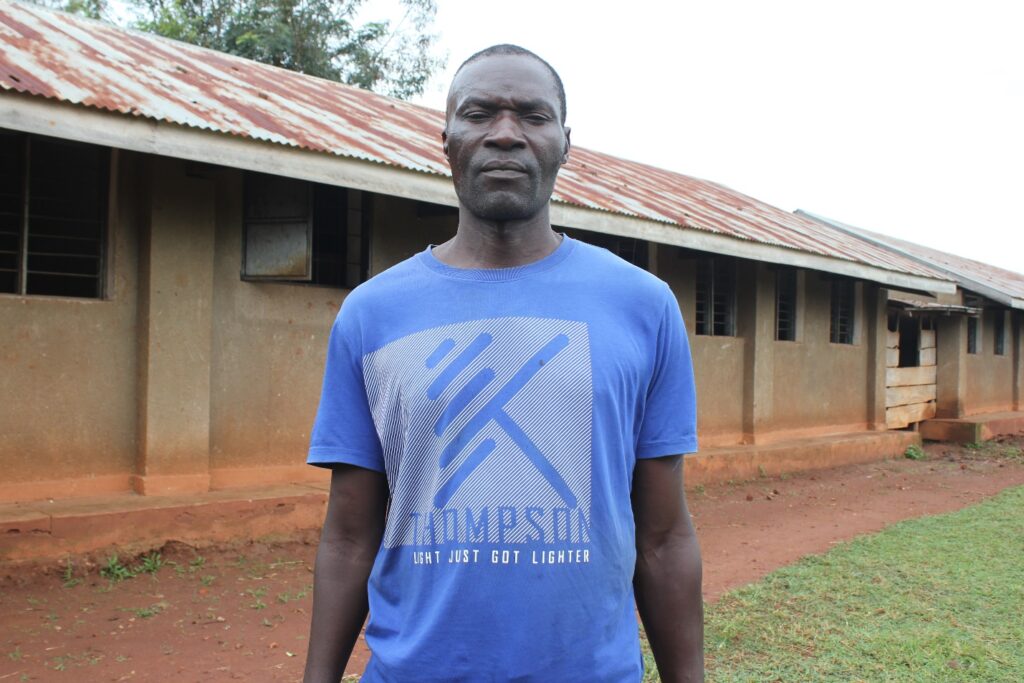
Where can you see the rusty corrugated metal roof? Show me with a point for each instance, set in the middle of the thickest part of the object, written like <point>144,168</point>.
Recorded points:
<point>83,62</point>
<point>976,276</point>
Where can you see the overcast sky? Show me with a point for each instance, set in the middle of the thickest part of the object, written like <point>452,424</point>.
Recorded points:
<point>903,117</point>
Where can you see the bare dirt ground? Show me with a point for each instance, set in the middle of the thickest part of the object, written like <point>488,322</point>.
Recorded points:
<point>242,612</point>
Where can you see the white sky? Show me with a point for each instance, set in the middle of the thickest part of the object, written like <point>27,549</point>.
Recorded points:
<point>903,117</point>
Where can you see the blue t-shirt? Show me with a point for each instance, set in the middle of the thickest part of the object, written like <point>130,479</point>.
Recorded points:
<point>507,408</point>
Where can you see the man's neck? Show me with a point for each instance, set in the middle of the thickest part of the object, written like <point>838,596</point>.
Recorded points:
<point>489,244</point>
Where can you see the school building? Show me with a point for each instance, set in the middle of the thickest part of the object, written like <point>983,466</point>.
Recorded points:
<point>178,228</point>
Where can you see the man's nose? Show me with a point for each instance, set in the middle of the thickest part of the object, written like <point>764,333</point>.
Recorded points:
<point>506,132</point>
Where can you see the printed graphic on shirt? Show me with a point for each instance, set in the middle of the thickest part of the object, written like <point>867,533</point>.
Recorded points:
<point>486,427</point>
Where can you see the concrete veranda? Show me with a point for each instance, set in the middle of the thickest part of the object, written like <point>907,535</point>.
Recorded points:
<point>51,529</point>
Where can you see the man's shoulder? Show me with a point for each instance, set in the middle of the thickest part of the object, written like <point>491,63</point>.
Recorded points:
<point>632,280</point>
<point>383,286</point>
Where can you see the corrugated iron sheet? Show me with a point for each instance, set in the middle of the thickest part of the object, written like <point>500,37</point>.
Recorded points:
<point>966,271</point>
<point>75,60</point>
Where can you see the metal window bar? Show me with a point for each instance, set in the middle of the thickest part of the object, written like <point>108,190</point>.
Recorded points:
<point>330,235</point>
<point>716,298</point>
<point>63,218</point>
<point>841,318</point>
<point>353,238</point>
<point>23,244</point>
<point>629,249</point>
<point>785,305</point>
<point>972,335</point>
<point>999,333</point>
<point>704,290</point>
<point>724,299</point>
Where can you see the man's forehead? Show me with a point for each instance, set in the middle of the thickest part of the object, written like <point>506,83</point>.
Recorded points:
<point>515,76</point>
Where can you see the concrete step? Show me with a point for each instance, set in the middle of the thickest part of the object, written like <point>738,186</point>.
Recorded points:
<point>739,463</point>
<point>50,530</point>
<point>133,523</point>
<point>973,428</point>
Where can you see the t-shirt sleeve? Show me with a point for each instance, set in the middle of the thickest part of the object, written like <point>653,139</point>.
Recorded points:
<point>669,424</point>
<point>344,432</point>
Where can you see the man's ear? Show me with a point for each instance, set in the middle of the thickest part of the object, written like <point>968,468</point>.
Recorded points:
<point>444,142</point>
<point>568,144</point>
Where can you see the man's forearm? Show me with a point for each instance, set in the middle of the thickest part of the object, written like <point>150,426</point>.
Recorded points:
<point>349,542</point>
<point>668,596</point>
<point>339,609</point>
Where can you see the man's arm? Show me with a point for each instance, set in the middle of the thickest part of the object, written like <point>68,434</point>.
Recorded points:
<point>348,545</point>
<point>667,581</point>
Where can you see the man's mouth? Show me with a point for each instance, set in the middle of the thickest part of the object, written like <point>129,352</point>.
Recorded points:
<point>503,168</point>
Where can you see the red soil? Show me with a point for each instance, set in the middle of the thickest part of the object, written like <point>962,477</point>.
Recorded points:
<point>242,612</point>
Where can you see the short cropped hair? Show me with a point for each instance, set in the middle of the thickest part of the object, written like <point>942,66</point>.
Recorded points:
<point>509,49</point>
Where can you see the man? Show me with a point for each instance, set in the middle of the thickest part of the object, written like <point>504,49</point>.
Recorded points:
<point>505,415</point>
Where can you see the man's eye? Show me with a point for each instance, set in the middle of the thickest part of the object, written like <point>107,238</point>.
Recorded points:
<point>476,115</point>
<point>536,118</point>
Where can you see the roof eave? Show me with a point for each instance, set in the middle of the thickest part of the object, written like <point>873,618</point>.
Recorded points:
<point>960,279</point>
<point>33,114</point>
<point>663,233</point>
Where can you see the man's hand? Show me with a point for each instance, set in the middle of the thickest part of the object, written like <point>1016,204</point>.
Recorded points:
<point>348,546</point>
<point>667,581</point>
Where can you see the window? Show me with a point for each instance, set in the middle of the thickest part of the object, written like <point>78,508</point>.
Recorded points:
<point>972,334</point>
<point>53,216</point>
<point>716,297</point>
<point>785,305</point>
<point>999,332</point>
<point>841,312</point>
<point>627,248</point>
<point>304,232</point>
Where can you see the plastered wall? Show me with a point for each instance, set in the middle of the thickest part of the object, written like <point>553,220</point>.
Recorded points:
<point>990,377</point>
<point>717,361</point>
<point>68,371</point>
<point>270,341</point>
<point>268,345</point>
<point>92,385</point>
<point>819,386</point>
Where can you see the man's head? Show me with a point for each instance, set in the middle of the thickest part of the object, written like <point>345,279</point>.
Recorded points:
<point>514,50</point>
<point>505,134</point>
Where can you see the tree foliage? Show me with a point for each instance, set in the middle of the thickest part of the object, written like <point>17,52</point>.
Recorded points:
<point>94,9</point>
<point>315,37</point>
<point>322,38</point>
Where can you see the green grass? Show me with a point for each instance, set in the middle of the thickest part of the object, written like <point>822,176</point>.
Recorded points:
<point>257,594</point>
<point>115,570</point>
<point>932,599</point>
<point>150,564</point>
<point>914,452</point>
<point>995,449</point>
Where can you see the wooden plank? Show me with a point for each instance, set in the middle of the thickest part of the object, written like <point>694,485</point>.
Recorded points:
<point>902,396</point>
<point>905,377</point>
<point>892,339</point>
<point>901,416</point>
<point>927,357</point>
<point>892,358</point>
<point>927,339</point>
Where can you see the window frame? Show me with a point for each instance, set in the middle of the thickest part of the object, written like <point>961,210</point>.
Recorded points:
<point>973,323</point>
<point>842,293</point>
<point>999,334</point>
<point>106,167</point>
<point>718,269</point>
<point>352,256</point>
<point>792,282</point>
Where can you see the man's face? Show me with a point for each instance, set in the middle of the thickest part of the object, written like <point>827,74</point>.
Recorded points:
<point>504,137</point>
